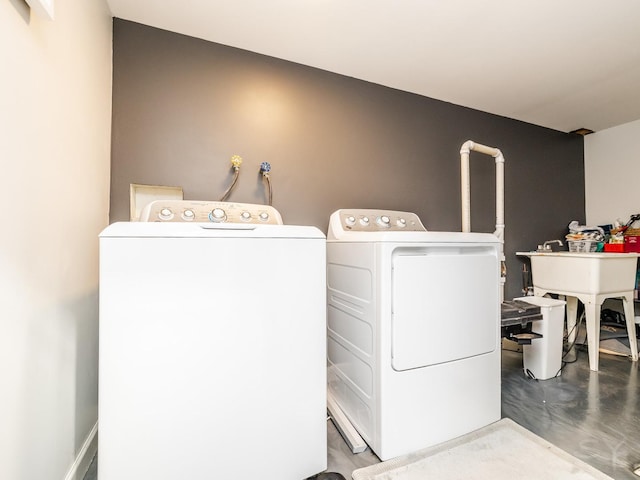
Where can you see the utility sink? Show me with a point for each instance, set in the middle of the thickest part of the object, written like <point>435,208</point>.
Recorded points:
<point>582,273</point>
<point>590,278</point>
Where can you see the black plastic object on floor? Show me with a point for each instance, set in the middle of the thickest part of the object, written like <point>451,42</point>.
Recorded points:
<point>518,311</point>
<point>516,321</point>
<point>329,476</point>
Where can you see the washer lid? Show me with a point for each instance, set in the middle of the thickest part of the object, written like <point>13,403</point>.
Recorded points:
<point>207,230</point>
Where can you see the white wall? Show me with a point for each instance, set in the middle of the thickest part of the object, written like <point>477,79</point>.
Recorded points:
<point>612,174</point>
<point>55,121</point>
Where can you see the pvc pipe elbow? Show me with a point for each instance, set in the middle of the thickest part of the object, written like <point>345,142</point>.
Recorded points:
<point>466,147</point>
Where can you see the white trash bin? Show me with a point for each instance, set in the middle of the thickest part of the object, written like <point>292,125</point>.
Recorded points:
<point>543,358</point>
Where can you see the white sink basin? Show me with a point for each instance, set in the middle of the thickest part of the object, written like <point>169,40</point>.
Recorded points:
<point>583,273</point>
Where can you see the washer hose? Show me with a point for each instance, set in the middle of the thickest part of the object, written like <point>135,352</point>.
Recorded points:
<point>265,168</point>
<point>236,161</point>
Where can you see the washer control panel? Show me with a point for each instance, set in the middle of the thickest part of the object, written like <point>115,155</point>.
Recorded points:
<point>212,212</point>
<point>367,220</point>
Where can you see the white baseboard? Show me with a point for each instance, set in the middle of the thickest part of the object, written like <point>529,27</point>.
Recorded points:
<point>85,455</point>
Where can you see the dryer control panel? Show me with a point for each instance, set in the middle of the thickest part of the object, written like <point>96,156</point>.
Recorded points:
<point>212,212</point>
<point>371,220</point>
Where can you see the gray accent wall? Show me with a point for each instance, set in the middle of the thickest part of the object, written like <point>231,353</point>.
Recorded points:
<point>183,106</point>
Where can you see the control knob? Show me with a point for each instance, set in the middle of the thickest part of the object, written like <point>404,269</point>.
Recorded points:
<point>245,216</point>
<point>217,215</point>
<point>383,221</point>
<point>364,221</point>
<point>350,220</point>
<point>166,214</point>
<point>264,216</point>
<point>188,215</point>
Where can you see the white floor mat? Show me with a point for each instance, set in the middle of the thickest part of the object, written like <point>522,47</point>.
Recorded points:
<point>501,451</point>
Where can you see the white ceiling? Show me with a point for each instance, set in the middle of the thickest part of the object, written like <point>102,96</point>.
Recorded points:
<point>562,64</point>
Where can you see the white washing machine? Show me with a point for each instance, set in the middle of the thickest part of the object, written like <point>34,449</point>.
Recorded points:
<point>212,346</point>
<point>413,329</point>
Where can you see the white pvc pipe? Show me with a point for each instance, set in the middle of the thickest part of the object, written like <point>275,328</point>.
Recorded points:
<point>465,184</point>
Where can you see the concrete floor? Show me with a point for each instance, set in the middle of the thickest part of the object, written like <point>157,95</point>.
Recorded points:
<point>594,416</point>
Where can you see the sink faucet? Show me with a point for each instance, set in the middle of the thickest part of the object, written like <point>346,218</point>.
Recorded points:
<point>546,246</point>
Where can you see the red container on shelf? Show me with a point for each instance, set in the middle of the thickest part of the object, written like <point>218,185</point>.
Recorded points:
<point>614,247</point>
<point>631,243</point>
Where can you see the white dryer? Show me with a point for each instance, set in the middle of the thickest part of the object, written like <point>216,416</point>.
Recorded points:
<point>413,329</point>
<point>212,345</point>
